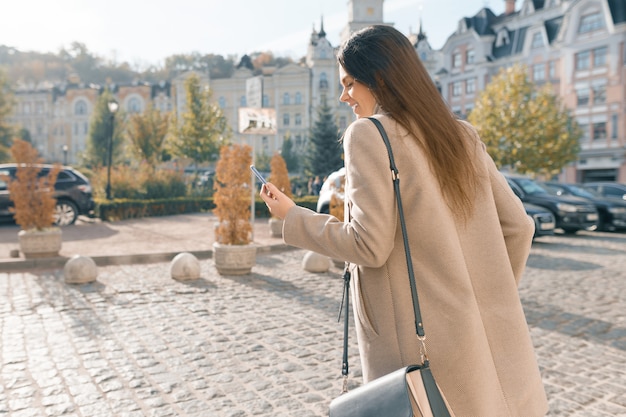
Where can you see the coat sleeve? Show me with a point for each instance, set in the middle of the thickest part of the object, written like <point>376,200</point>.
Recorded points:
<point>366,237</point>
<point>517,228</point>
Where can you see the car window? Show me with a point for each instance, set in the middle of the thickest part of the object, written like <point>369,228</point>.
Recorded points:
<point>531,187</point>
<point>581,192</point>
<point>613,191</point>
<point>64,176</point>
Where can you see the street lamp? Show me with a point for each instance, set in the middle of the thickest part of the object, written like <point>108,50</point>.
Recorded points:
<point>64,154</point>
<point>113,106</point>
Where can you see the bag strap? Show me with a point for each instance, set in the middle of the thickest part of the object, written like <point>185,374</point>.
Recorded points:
<point>419,326</point>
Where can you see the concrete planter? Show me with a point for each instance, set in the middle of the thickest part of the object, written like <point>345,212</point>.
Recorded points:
<point>234,259</point>
<point>276,227</point>
<point>40,244</point>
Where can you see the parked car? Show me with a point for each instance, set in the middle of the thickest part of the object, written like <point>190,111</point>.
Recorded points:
<point>72,191</point>
<point>543,218</point>
<point>608,189</point>
<point>330,186</point>
<point>570,213</point>
<point>611,212</point>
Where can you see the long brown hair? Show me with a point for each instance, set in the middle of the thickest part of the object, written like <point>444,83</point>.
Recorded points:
<point>382,58</point>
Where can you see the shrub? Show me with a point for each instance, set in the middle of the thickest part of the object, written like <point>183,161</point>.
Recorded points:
<point>232,196</point>
<point>32,194</point>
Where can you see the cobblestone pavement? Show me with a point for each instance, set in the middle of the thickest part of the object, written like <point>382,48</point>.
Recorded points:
<point>137,343</point>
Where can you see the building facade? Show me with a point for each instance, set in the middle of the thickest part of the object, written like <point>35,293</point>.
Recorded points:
<point>576,46</point>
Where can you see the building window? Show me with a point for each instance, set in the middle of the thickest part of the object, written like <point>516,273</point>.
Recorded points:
<point>537,41</point>
<point>599,57</point>
<point>584,128</point>
<point>502,38</point>
<point>39,107</point>
<point>323,81</point>
<point>286,119</point>
<point>591,23</point>
<point>298,98</point>
<point>286,98</point>
<point>614,126</point>
<point>457,88</point>
<point>222,102</point>
<point>582,97</point>
<point>470,56</point>
<point>599,130</point>
<point>456,60</point>
<point>582,60</point>
<point>552,70</point>
<point>265,101</point>
<point>470,86</point>
<point>243,101</point>
<point>80,108</point>
<point>134,105</point>
<point>298,120</point>
<point>85,127</point>
<point>539,72</point>
<point>599,94</point>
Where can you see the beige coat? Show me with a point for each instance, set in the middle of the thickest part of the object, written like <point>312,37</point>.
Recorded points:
<point>478,341</point>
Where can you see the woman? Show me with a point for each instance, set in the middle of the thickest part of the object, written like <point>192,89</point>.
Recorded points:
<point>469,236</point>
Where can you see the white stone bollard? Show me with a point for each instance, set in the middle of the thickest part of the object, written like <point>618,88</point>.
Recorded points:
<point>185,267</point>
<point>80,270</point>
<point>314,262</point>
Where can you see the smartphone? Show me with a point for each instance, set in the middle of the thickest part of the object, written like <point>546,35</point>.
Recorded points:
<point>258,174</point>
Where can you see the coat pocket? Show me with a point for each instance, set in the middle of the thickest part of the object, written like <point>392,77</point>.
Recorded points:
<point>361,308</point>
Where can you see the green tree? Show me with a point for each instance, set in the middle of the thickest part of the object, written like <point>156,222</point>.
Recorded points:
<point>290,157</point>
<point>100,127</point>
<point>325,151</point>
<point>199,133</point>
<point>524,127</point>
<point>6,106</point>
<point>146,134</point>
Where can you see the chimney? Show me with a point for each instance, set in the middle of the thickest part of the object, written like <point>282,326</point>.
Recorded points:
<point>510,7</point>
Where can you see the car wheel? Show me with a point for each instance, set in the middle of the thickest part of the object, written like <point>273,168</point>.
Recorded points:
<point>570,231</point>
<point>65,213</point>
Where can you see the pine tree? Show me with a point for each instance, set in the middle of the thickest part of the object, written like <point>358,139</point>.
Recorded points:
<point>6,131</point>
<point>290,157</point>
<point>325,154</point>
<point>100,127</point>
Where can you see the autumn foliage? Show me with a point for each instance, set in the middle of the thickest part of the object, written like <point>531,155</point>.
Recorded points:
<point>279,176</point>
<point>32,194</point>
<point>232,196</point>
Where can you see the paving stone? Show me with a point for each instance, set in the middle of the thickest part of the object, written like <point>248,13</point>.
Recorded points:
<point>137,343</point>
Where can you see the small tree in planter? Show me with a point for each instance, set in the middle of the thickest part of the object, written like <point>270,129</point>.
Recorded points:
<point>279,176</point>
<point>34,203</point>
<point>233,251</point>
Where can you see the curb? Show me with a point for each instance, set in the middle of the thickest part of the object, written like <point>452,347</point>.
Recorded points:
<point>58,262</point>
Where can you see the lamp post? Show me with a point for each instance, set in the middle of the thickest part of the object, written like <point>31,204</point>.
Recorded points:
<point>113,106</point>
<point>64,154</point>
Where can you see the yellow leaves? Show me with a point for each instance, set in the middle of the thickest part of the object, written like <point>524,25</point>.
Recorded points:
<point>232,196</point>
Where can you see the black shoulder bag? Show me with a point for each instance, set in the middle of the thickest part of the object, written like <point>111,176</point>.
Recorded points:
<point>409,391</point>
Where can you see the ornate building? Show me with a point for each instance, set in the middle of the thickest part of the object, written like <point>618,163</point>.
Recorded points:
<point>576,46</point>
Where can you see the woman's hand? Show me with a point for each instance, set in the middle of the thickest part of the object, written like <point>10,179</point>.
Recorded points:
<point>278,203</point>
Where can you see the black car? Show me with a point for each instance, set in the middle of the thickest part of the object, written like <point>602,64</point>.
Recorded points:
<point>570,213</point>
<point>543,218</point>
<point>611,212</point>
<point>608,189</point>
<point>72,191</point>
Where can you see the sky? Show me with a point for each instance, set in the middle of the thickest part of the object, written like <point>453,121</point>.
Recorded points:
<point>144,33</point>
